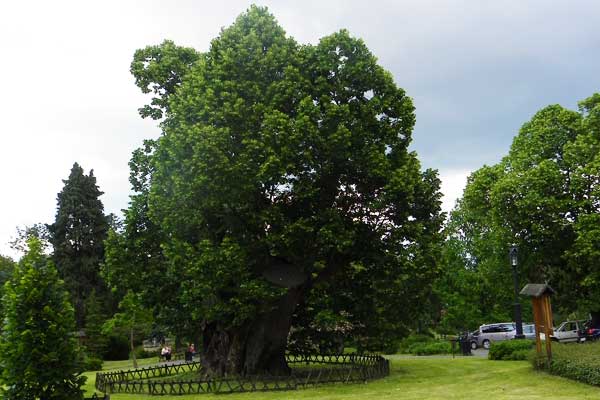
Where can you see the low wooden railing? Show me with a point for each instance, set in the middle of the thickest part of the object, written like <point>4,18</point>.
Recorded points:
<point>307,371</point>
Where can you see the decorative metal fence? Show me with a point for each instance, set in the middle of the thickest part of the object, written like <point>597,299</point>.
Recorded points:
<point>135,377</point>
<point>307,371</point>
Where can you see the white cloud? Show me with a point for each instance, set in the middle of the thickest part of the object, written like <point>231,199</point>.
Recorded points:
<point>453,185</point>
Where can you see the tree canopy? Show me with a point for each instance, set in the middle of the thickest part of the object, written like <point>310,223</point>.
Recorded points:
<point>282,169</point>
<point>543,197</point>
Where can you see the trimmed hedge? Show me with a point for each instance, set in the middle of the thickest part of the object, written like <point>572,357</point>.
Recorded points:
<point>580,362</point>
<point>511,350</point>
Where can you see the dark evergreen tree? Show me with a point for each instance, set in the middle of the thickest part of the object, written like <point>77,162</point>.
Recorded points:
<point>38,352</point>
<point>95,317</point>
<point>78,235</point>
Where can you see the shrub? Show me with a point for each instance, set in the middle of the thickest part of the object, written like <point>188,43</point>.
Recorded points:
<point>407,342</point>
<point>390,347</point>
<point>92,363</point>
<point>511,350</point>
<point>580,362</point>
<point>429,348</point>
<point>141,353</point>
<point>519,355</point>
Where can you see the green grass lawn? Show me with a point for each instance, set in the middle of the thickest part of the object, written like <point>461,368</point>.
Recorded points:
<point>423,378</point>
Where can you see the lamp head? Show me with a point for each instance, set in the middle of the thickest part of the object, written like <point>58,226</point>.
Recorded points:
<point>512,254</point>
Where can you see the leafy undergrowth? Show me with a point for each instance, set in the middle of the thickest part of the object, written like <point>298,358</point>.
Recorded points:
<point>423,345</point>
<point>431,379</point>
<point>580,362</point>
<point>511,350</point>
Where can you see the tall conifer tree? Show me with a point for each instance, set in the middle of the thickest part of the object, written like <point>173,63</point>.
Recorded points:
<point>78,235</point>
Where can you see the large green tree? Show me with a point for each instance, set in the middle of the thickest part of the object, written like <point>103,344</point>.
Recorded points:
<point>543,197</point>
<point>77,236</point>
<point>39,355</point>
<point>284,168</point>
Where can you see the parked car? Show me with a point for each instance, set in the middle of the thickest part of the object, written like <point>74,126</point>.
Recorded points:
<point>529,331</point>
<point>488,333</point>
<point>590,332</point>
<point>568,331</point>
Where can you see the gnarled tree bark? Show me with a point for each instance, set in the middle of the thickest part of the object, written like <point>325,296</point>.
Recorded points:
<point>257,348</point>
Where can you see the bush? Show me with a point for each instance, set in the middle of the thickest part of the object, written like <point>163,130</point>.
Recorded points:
<point>519,355</point>
<point>92,363</point>
<point>511,350</point>
<point>580,362</point>
<point>141,353</point>
<point>421,345</point>
<point>429,348</point>
<point>407,342</point>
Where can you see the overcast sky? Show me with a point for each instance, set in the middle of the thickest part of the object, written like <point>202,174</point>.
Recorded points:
<point>477,70</point>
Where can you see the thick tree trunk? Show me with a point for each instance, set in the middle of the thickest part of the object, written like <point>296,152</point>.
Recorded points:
<point>257,348</point>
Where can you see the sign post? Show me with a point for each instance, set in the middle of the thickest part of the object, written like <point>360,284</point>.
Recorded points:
<point>542,315</point>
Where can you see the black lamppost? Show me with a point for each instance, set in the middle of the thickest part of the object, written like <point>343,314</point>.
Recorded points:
<point>512,254</point>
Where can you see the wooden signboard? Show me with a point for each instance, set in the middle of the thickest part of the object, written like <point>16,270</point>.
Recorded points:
<point>542,314</point>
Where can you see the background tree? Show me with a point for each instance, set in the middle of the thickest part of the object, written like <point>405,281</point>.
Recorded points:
<point>95,316</point>
<point>543,197</point>
<point>135,259</point>
<point>40,231</point>
<point>132,319</point>
<point>470,292</point>
<point>38,352</point>
<point>77,236</point>
<point>583,156</point>
<point>283,168</point>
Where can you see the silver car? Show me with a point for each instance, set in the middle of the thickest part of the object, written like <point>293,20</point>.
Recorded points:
<point>529,331</point>
<point>486,334</point>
